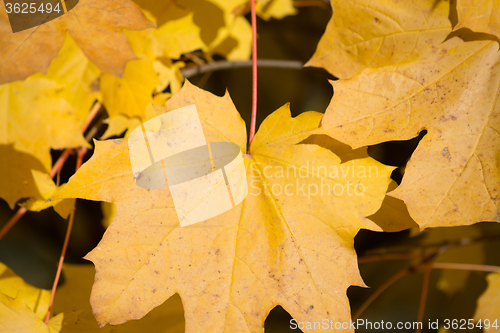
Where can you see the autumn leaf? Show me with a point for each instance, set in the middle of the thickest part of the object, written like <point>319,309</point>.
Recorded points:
<point>479,16</point>
<point>452,177</point>
<point>371,34</point>
<point>488,304</point>
<point>96,26</point>
<point>294,250</point>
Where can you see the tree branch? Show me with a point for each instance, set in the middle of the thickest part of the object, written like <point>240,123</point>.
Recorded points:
<point>189,72</point>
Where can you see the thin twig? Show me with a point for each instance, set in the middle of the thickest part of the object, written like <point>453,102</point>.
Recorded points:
<point>467,267</point>
<point>91,116</point>
<point>379,290</point>
<point>254,75</point>
<point>423,297</point>
<point>309,3</point>
<point>20,212</point>
<point>189,72</point>
<point>79,160</point>
<point>389,256</point>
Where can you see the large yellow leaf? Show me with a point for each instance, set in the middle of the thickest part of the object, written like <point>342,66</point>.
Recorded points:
<point>488,305</point>
<point>292,248</point>
<point>370,34</point>
<point>453,176</point>
<point>479,16</point>
<point>95,25</point>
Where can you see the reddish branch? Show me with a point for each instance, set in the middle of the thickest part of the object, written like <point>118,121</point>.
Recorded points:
<point>79,160</point>
<point>254,75</point>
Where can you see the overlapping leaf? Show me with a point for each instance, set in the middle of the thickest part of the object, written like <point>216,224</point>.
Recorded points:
<point>74,295</point>
<point>370,34</point>
<point>32,113</point>
<point>294,249</point>
<point>23,309</point>
<point>212,26</point>
<point>95,25</point>
<point>479,16</point>
<point>453,175</point>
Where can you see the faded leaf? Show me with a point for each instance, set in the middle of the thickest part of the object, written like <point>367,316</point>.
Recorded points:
<point>47,189</point>
<point>17,317</point>
<point>452,177</point>
<point>479,16</point>
<point>23,309</point>
<point>77,75</point>
<point>169,74</point>
<point>370,34</point>
<point>74,294</point>
<point>36,299</point>
<point>118,125</point>
<point>214,26</point>
<point>231,270</point>
<point>488,304</point>
<point>108,213</point>
<point>277,9</point>
<point>96,26</point>
<point>32,112</point>
<point>129,96</point>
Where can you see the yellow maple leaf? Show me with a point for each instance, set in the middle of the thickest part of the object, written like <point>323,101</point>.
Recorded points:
<point>488,305</point>
<point>95,25</point>
<point>370,34</point>
<point>294,249</point>
<point>479,16</point>
<point>453,176</point>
